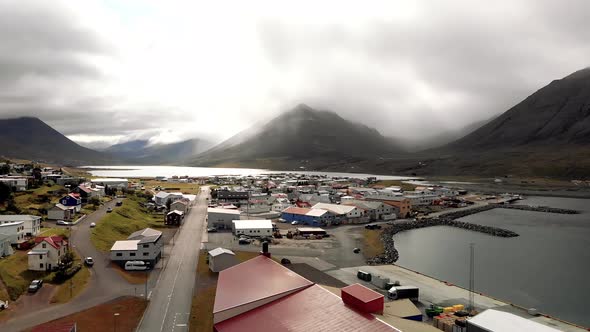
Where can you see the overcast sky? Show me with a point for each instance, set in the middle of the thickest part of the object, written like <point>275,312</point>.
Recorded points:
<point>110,71</point>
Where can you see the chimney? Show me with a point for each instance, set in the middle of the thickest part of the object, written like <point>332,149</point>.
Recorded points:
<point>264,251</point>
<point>363,299</point>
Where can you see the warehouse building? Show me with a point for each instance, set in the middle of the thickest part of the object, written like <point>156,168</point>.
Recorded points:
<point>221,218</point>
<point>252,227</point>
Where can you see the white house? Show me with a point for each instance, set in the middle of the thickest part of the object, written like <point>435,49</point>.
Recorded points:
<point>220,259</point>
<point>221,218</point>
<point>5,247</point>
<point>47,253</point>
<point>180,205</point>
<point>143,245</point>
<point>375,210</point>
<point>281,204</point>
<point>14,229</point>
<point>252,227</point>
<point>32,223</point>
<point>162,197</point>
<point>61,212</point>
<point>16,182</point>
<point>425,199</point>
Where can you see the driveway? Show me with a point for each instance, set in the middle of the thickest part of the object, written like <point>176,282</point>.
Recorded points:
<point>105,283</point>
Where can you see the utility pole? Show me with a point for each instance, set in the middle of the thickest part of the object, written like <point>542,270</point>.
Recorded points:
<point>248,206</point>
<point>471,276</point>
<point>147,276</point>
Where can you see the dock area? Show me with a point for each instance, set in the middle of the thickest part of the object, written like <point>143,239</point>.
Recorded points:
<point>433,291</point>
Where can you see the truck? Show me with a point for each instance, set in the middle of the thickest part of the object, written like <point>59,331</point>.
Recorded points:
<point>403,292</point>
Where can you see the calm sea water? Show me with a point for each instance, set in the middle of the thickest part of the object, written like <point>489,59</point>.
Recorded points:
<point>168,171</point>
<point>547,267</point>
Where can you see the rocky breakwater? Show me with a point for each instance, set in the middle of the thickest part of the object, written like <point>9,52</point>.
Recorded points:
<point>545,209</point>
<point>391,255</point>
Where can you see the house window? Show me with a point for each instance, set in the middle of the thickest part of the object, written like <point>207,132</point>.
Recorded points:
<point>44,245</point>
<point>41,257</point>
<point>41,265</point>
<point>119,254</point>
<point>146,253</point>
<point>132,254</point>
<point>146,245</point>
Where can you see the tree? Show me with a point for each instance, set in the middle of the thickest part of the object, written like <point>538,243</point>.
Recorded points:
<point>5,192</point>
<point>67,259</point>
<point>168,203</point>
<point>5,169</point>
<point>94,201</point>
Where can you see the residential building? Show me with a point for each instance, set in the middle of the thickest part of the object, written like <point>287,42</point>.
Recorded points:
<point>220,259</point>
<point>61,212</point>
<point>5,245</point>
<point>262,290</point>
<point>233,197</point>
<point>87,192</point>
<point>32,224</point>
<point>422,199</point>
<point>221,218</point>
<point>280,204</point>
<point>162,197</point>
<point>253,228</point>
<point>47,253</point>
<point>15,230</point>
<point>72,200</point>
<point>143,245</point>
<point>174,218</point>
<point>18,183</point>
<point>180,205</point>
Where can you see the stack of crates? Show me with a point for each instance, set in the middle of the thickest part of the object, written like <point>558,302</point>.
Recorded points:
<point>446,322</point>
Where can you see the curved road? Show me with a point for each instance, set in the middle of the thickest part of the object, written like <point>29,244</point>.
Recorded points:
<point>105,283</point>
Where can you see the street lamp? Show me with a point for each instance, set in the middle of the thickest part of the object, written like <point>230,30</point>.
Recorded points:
<point>115,315</point>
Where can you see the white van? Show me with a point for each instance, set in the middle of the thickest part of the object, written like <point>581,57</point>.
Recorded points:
<point>135,266</point>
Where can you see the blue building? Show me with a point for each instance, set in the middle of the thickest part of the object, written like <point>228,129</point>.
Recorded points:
<point>71,200</point>
<point>305,216</point>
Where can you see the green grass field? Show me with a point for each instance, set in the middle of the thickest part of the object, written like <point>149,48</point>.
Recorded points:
<point>29,201</point>
<point>123,221</point>
<point>51,231</point>
<point>16,276</point>
<point>77,284</point>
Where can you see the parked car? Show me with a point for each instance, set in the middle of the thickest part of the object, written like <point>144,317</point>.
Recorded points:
<point>3,305</point>
<point>119,203</point>
<point>35,286</point>
<point>135,266</point>
<point>295,222</point>
<point>244,240</point>
<point>88,261</point>
<point>356,250</point>
<point>211,229</point>
<point>63,222</point>
<point>92,225</point>
<point>109,210</point>
<point>371,226</point>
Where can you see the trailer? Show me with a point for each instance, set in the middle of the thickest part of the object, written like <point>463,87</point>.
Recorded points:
<point>403,292</point>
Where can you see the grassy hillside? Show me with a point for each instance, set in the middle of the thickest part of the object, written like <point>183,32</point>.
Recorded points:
<point>123,221</point>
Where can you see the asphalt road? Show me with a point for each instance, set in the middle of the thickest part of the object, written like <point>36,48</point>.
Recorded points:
<point>104,285</point>
<point>170,303</point>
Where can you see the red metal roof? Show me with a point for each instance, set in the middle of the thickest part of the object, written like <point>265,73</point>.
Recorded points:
<point>55,327</point>
<point>253,280</point>
<point>362,293</point>
<point>296,210</point>
<point>54,241</point>
<point>311,309</point>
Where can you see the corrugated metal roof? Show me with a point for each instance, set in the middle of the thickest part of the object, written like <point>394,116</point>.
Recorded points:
<point>144,233</point>
<point>337,209</point>
<point>247,224</point>
<point>253,280</point>
<point>220,251</point>
<point>220,210</point>
<point>316,212</point>
<point>311,309</point>
<point>496,321</point>
<point>296,210</point>
<point>125,245</point>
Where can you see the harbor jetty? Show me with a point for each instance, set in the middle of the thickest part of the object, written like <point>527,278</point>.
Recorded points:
<point>391,255</point>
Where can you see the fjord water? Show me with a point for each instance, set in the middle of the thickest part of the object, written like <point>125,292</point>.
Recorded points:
<point>169,171</point>
<point>547,267</point>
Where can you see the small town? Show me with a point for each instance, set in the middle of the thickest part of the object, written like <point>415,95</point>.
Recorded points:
<point>321,239</point>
